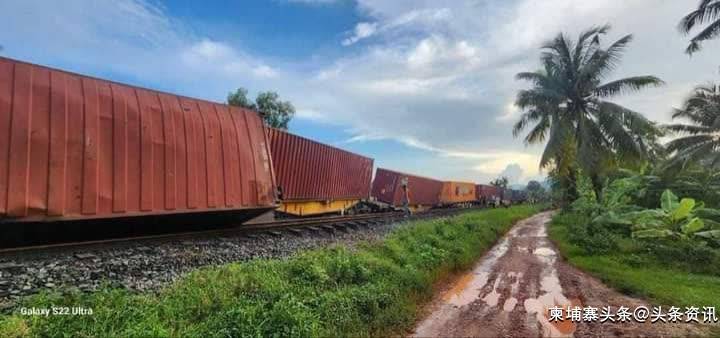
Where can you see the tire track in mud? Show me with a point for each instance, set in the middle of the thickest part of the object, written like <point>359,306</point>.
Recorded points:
<point>508,292</point>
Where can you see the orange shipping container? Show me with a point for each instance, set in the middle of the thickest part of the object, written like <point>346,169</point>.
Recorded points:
<point>76,147</point>
<point>457,192</point>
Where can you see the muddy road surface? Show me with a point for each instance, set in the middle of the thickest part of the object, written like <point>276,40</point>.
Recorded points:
<point>509,292</point>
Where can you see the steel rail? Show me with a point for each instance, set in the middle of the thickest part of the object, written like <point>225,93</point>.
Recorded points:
<point>231,230</point>
<point>237,229</point>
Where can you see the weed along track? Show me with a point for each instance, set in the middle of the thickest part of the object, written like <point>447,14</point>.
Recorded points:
<point>509,291</point>
<point>363,286</point>
<point>148,263</point>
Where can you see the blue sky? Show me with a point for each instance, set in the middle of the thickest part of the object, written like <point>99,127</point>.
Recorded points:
<point>421,86</point>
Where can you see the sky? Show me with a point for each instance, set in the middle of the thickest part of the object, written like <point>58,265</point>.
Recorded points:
<point>425,87</point>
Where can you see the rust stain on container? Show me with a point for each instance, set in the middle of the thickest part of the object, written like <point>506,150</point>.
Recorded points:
<point>457,192</point>
<point>73,146</point>
<point>308,170</point>
<point>387,187</point>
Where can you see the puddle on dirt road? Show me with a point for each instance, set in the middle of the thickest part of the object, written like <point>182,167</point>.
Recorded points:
<point>527,242</point>
<point>466,290</point>
<point>552,294</point>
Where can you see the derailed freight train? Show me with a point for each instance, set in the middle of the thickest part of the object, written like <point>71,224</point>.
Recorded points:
<point>82,148</point>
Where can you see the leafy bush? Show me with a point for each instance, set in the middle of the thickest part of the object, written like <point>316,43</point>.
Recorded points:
<point>668,272</point>
<point>676,219</point>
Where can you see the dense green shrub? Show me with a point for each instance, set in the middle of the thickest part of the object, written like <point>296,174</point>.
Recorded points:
<point>668,272</point>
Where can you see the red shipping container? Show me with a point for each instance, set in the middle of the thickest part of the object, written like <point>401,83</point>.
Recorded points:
<point>76,147</point>
<point>309,170</point>
<point>387,188</point>
<point>488,192</point>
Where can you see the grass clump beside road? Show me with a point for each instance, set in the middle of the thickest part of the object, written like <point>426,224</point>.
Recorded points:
<point>668,272</point>
<point>374,289</point>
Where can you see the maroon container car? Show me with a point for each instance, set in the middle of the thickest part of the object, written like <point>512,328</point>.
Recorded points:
<point>309,171</point>
<point>422,191</point>
<point>487,193</point>
<point>77,147</point>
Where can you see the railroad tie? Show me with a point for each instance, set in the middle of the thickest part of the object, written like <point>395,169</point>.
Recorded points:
<point>329,228</point>
<point>275,233</point>
<point>314,229</point>
<point>342,227</point>
<point>296,232</point>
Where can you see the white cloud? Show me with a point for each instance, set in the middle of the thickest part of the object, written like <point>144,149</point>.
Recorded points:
<point>134,38</point>
<point>422,18</point>
<point>265,71</point>
<point>362,30</point>
<point>447,81</point>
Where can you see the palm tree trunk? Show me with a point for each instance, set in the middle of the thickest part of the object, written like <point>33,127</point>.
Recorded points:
<point>597,185</point>
<point>570,185</point>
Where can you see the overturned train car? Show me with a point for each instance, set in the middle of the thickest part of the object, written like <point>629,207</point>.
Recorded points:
<point>315,178</point>
<point>398,189</point>
<point>76,147</point>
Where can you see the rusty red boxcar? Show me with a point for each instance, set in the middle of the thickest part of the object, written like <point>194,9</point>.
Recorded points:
<point>423,192</point>
<point>488,194</point>
<point>77,147</point>
<point>316,178</point>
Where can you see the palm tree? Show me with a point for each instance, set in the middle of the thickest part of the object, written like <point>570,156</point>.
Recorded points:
<point>701,143</point>
<point>568,105</point>
<point>708,11</point>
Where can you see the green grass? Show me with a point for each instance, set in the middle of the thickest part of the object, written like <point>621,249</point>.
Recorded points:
<point>373,289</point>
<point>632,270</point>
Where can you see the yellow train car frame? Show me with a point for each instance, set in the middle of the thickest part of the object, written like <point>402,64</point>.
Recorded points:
<point>316,207</point>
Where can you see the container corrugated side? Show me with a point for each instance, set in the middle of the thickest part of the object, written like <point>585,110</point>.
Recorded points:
<point>74,146</point>
<point>309,170</point>
<point>457,192</point>
<point>421,190</point>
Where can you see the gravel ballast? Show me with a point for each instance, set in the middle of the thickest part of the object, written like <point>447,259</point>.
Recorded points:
<point>146,267</point>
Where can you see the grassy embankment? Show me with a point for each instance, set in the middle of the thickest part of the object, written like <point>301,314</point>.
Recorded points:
<point>374,289</point>
<point>669,273</point>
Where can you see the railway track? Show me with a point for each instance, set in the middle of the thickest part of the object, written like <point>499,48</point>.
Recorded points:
<point>272,228</point>
<point>147,263</point>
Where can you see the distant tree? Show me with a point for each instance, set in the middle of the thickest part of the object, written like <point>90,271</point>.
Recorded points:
<point>700,143</point>
<point>535,190</point>
<point>500,182</point>
<point>239,99</point>
<point>534,186</point>
<point>708,11</point>
<point>274,112</point>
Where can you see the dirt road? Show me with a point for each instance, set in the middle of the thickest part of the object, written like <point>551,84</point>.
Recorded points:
<point>510,290</point>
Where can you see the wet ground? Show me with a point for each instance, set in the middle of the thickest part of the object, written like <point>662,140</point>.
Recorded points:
<point>509,292</point>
